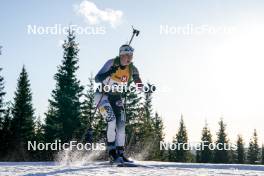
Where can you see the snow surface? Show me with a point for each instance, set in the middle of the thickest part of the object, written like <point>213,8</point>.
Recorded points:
<point>148,168</point>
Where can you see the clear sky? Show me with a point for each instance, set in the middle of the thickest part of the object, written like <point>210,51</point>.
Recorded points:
<point>207,74</point>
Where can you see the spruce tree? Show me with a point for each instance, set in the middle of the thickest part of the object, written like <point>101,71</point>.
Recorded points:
<point>140,128</point>
<point>146,126</point>
<point>99,128</point>
<point>240,152</point>
<point>5,133</point>
<point>88,105</point>
<point>63,120</point>
<point>253,150</point>
<point>133,105</point>
<point>39,155</point>
<point>172,153</point>
<point>262,154</point>
<point>93,123</point>
<point>148,115</point>
<point>181,154</point>
<point>39,131</point>
<point>206,155</point>
<point>221,155</point>
<point>22,124</point>
<point>53,125</point>
<point>52,130</point>
<point>2,94</point>
<point>156,153</point>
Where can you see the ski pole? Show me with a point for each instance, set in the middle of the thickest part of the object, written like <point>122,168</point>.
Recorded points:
<point>135,32</point>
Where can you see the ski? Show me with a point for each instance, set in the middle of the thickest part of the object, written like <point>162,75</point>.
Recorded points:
<point>126,164</point>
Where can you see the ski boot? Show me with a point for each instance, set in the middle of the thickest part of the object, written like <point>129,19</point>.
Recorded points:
<point>114,157</point>
<point>120,152</point>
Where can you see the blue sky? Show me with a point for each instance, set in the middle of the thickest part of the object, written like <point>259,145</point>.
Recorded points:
<point>209,75</point>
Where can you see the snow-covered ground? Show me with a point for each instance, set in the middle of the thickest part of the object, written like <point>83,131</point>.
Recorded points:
<point>151,168</point>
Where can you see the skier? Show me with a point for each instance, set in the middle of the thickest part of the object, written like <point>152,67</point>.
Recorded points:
<point>116,72</point>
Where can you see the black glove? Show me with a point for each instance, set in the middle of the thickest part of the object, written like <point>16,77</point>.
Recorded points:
<point>112,70</point>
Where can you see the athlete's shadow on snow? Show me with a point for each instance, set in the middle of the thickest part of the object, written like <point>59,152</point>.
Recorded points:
<point>61,171</point>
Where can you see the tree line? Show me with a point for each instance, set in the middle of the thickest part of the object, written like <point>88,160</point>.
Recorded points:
<point>234,153</point>
<point>71,114</point>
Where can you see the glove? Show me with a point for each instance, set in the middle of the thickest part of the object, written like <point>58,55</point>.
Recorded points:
<point>112,70</point>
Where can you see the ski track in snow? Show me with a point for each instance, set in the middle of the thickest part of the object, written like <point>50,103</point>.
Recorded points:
<point>151,168</point>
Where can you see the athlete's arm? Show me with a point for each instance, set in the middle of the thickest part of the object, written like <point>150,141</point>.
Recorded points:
<point>105,71</point>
